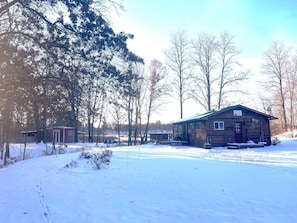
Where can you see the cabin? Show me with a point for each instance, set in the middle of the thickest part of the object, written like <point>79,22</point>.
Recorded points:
<point>234,124</point>
<point>60,134</point>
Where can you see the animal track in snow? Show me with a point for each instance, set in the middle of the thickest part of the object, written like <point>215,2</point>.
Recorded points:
<point>44,206</point>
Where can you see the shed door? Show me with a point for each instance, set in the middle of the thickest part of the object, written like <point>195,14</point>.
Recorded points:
<point>56,136</point>
<point>238,132</point>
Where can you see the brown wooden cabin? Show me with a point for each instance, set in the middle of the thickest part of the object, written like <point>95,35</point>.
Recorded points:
<point>234,124</point>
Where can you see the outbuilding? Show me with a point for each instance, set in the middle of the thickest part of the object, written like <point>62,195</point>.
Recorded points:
<point>160,135</point>
<point>234,124</point>
<point>61,134</point>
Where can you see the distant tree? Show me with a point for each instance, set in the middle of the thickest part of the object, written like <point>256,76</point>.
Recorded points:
<point>291,89</point>
<point>139,85</point>
<point>265,102</point>
<point>158,91</point>
<point>204,57</point>
<point>65,52</point>
<point>95,100</point>
<point>12,69</point>
<point>218,72</point>
<point>126,100</point>
<point>129,95</point>
<point>229,76</point>
<point>276,66</point>
<point>178,60</point>
<point>118,117</point>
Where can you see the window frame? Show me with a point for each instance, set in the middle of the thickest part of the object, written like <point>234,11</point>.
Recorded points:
<point>237,112</point>
<point>220,125</point>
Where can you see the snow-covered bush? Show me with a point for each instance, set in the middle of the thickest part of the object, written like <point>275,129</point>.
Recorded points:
<point>72,164</point>
<point>86,155</point>
<point>101,159</point>
<point>12,160</point>
<point>28,154</point>
<point>275,141</point>
<point>98,160</point>
<point>62,148</point>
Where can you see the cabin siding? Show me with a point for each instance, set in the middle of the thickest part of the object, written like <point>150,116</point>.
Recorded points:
<point>255,127</point>
<point>60,135</point>
<point>196,133</point>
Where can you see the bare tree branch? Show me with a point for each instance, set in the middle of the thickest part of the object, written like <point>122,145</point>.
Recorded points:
<point>179,62</point>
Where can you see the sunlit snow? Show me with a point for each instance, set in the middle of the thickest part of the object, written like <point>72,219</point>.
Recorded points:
<point>153,183</point>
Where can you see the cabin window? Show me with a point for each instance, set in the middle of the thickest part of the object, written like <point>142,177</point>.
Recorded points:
<point>237,112</point>
<point>218,125</point>
<point>199,126</point>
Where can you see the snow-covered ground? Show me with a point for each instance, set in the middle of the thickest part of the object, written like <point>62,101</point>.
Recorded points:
<point>153,183</point>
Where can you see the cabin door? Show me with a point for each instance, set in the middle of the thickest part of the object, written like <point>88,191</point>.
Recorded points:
<point>56,137</point>
<point>238,132</point>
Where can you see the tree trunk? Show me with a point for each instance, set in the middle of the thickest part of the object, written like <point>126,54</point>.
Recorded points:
<point>7,153</point>
<point>130,112</point>
<point>208,96</point>
<point>136,127</point>
<point>283,106</point>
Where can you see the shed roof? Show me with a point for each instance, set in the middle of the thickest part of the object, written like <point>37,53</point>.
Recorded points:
<point>206,115</point>
<point>160,132</point>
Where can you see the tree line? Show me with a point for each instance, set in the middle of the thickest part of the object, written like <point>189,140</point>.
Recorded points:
<point>62,64</point>
<point>206,69</point>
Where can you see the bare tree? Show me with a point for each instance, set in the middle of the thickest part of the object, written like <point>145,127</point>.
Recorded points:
<point>264,103</point>
<point>229,75</point>
<point>179,62</point>
<point>95,104</point>
<point>218,73</point>
<point>291,89</point>
<point>130,94</point>
<point>204,57</point>
<point>276,66</point>
<point>139,98</point>
<point>118,117</point>
<point>158,90</point>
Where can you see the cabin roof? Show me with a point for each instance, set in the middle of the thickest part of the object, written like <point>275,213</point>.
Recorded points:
<point>206,115</point>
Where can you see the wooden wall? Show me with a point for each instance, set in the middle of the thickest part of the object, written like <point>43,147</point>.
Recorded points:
<point>255,127</point>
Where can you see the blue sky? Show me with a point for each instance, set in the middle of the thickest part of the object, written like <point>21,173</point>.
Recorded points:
<point>254,23</point>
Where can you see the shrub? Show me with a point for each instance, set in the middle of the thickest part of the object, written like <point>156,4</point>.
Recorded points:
<point>71,164</point>
<point>98,160</point>
<point>101,159</point>
<point>85,155</point>
<point>62,148</point>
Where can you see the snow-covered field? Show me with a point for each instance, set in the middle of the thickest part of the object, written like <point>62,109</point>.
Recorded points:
<point>153,183</point>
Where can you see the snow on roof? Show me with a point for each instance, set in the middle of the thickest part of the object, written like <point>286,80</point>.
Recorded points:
<point>211,113</point>
<point>160,131</point>
<point>195,117</point>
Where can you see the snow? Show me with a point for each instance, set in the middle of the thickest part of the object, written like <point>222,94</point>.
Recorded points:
<point>153,183</point>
